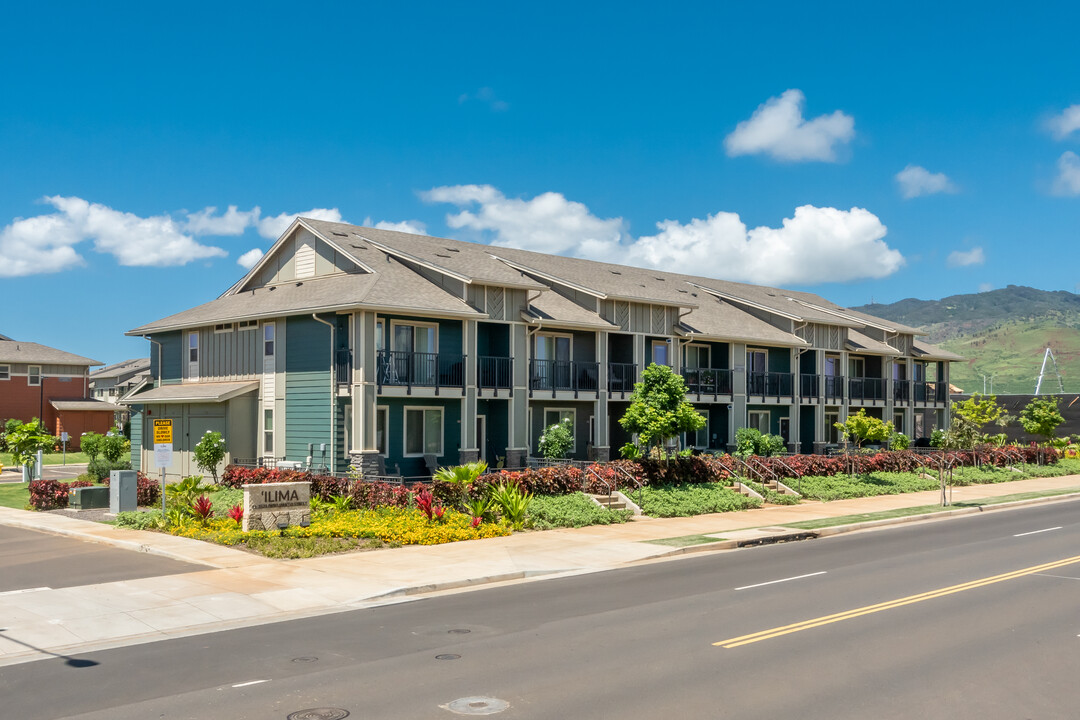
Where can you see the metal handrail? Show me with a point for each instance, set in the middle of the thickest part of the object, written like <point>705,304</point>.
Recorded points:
<point>415,369</point>
<point>494,373</point>
<point>770,384</point>
<point>571,375</point>
<point>797,474</point>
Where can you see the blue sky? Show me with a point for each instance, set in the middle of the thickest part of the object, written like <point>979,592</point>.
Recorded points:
<point>766,138</point>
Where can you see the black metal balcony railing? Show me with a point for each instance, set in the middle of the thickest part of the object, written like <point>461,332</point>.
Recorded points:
<point>571,375</point>
<point>901,391</point>
<point>707,381</point>
<point>930,392</point>
<point>809,386</point>
<point>866,389</point>
<point>412,369</point>
<point>834,388</point>
<point>621,377</point>
<point>494,372</point>
<point>343,366</point>
<point>770,384</point>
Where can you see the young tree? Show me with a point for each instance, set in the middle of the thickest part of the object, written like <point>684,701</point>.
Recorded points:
<point>1041,417</point>
<point>864,428</point>
<point>90,443</point>
<point>209,453</point>
<point>556,440</point>
<point>658,409</point>
<point>25,440</point>
<point>969,417</point>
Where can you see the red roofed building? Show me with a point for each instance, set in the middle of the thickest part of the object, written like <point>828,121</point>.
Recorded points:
<point>37,381</point>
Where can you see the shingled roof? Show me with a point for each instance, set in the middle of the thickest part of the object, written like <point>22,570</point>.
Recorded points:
<point>17,351</point>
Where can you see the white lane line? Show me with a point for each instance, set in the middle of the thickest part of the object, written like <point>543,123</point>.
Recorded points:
<point>1036,532</point>
<point>24,590</point>
<point>252,682</point>
<point>773,582</point>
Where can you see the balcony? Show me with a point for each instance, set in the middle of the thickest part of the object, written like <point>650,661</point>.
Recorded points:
<point>809,386</point>
<point>770,384</point>
<point>929,393</point>
<point>901,392</point>
<point>707,381</point>
<point>866,390</point>
<point>343,367</point>
<point>494,373</point>
<point>396,368</point>
<point>565,375</point>
<point>834,389</point>
<point>621,378</point>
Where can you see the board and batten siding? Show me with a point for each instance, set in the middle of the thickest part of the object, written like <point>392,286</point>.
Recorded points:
<point>303,255</point>
<point>229,355</point>
<point>307,387</point>
<point>172,357</point>
<point>136,439</point>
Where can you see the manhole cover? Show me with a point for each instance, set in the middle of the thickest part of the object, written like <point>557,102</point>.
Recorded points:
<point>477,706</point>
<point>448,656</point>
<point>459,631</point>
<point>319,714</point>
<point>306,659</point>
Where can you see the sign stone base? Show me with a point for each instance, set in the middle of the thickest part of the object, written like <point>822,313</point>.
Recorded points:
<point>272,506</point>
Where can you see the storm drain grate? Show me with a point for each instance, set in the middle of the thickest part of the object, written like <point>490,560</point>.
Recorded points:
<point>305,659</point>
<point>447,656</point>
<point>459,631</point>
<point>477,706</point>
<point>319,714</point>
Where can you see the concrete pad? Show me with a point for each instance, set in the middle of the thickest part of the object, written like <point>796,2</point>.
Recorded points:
<point>107,627</point>
<point>174,617</point>
<point>231,606</point>
<point>293,599</point>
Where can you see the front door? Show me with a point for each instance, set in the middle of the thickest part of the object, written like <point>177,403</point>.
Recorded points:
<point>481,436</point>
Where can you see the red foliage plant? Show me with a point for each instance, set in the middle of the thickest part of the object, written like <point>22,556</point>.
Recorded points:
<point>203,508</point>
<point>236,512</point>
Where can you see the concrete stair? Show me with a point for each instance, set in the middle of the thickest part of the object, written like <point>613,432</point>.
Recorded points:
<point>611,502</point>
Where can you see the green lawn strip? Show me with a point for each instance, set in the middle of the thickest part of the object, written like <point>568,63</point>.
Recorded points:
<point>685,540</point>
<point>15,495</point>
<point>924,509</point>
<point>73,458</point>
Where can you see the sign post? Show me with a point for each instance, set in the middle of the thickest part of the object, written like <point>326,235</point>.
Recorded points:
<point>64,439</point>
<point>163,447</point>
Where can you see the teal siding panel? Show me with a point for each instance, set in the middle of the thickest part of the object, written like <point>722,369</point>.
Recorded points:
<point>779,360</point>
<point>308,399</point>
<point>414,466</point>
<point>172,357</point>
<point>136,437</point>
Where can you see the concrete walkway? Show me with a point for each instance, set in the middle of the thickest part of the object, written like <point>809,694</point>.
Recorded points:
<point>239,588</point>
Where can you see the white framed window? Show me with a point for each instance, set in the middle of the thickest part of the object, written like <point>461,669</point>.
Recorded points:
<point>5,372</point>
<point>696,357</point>
<point>269,338</point>
<point>33,375</point>
<point>757,360</point>
<point>554,346</point>
<point>832,435</point>
<point>856,367</point>
<point>382,422</point>
<point>661,352</point>
<point>760,420</point>
<point>247,324</point>
<point>423,431</point>
<point>223,328</point>
<point>193,355</point>
<point>832,366</point>
<point>553,416</point>
<point>380,335</point>
<point>268,431</point>
<point>414,337</point>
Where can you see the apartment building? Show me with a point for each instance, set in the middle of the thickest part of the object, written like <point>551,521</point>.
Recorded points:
<point>374,348</point>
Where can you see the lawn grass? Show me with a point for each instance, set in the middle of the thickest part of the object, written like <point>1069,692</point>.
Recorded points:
<point>15,495</point>
<point>685,541</point>
<point>73,458</point>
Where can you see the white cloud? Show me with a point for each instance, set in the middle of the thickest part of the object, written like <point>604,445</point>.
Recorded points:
<point>548,223</point>
<point>250,258</point>
<point>1065,124</point>
<point>46,243</point>
<point>1068,179</point>
<point>272,227</point>
<point>816,245</point>
<point>966,258</point>
<point>487,96</point>
<point>415,227</point>
<point>231,222</point>
<point>986,287</point>
<point>915,180</point>
<point>778,128</point>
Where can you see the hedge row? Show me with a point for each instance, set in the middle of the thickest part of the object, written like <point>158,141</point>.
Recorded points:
<point>53,494</point>
<point>624,474</point>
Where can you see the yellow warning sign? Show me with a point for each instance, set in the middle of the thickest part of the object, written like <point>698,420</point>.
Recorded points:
<point>163,432</point>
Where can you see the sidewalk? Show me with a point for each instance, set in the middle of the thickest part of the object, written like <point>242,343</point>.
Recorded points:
<point>240,589</point>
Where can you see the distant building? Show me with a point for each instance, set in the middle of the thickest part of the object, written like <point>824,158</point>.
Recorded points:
<point>112,382</point>
<point>50,384</point>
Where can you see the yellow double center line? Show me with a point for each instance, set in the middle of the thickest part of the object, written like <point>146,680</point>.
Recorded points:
<point>867,610</point>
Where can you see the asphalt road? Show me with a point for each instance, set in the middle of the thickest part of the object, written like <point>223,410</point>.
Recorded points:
<point>974,617</point>
<point>30,559</point>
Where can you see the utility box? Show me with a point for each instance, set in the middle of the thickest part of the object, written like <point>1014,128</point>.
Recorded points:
<point>123,491</point>
<point>88,498</point>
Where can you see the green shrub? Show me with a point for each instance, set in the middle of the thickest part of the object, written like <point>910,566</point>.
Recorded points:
<point>142,520</point>
<point>100,468</point>
<point>556,440</point>
<point>114,446</point>
<point>842,487</point>
<point>574,510</point>
<point>693,499</point>
<point>90,443</point>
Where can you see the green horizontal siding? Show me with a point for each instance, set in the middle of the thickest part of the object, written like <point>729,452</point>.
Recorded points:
<point>307,388</point>
<point>172,357</point>
<point>136,438</point>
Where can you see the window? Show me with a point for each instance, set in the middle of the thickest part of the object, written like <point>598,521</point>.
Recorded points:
<point>760,420</point>
<point>550,346</point>
<point>661,352</point>
<point>268,431</point>
<point>423,431</point>
<point>856,367</point>
<point>832,366</point>
<point>757,361</point>
<point>699,438</point>
<point>247,324</point>
<point>415,337</point>
<point>5,372</point>
<point>33,375</point>
<point>268,340</point>
<point>557,415</point>
<point>380,336</point>
<point>193,355</point>
<point>898,422</point>
<point>223,328</point>
<point>696,357</point>
<point>832,435</point>
<point>382,419</point>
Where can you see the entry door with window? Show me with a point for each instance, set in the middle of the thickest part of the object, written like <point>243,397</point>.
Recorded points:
<point>833,382</point>
<point>757,365</point>
<point>552,369</point>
